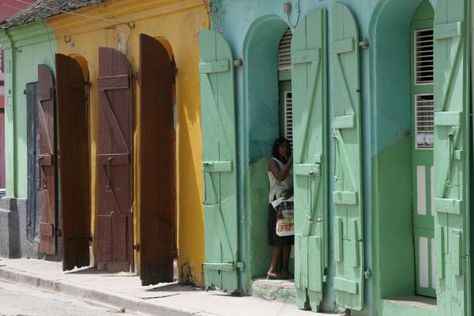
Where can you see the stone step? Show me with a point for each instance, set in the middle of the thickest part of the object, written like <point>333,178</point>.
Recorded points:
<point>274,290</point>
<point>411,305</point>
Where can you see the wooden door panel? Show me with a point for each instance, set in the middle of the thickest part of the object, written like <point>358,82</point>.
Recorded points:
<point>219,162</point>
<point>309,80</point>
<point>74,166</point>
<point>347,179</point>
<point>46,160</point>
<point>452,157</point>
<point>114,161</point>
<point>119,253</point>
<point>157,163</point>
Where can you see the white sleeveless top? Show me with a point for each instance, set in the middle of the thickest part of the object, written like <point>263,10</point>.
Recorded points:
<point>277,187</point>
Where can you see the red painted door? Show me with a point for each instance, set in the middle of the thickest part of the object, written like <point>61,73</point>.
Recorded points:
<point>74,168</point>
<point>114,159</point>
<point>157,163</point>
<point>46,160</point>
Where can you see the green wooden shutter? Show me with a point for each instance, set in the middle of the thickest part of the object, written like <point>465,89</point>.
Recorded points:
<point>310,163</point>
<point>219,162</point>
<point>451,157</point>
<point>346,133</point>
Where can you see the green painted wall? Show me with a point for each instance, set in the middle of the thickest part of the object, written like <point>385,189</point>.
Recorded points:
<point>25,48</point>
<point>387,142</point>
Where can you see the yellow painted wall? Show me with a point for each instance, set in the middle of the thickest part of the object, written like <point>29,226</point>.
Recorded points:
<point>118,24</point>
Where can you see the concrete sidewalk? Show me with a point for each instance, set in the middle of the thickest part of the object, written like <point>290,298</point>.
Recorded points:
<point>123,290</point>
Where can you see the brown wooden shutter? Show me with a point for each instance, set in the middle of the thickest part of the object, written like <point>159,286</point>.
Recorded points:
<point>74,166</point>
<point>46,160</point>
<point>157,158</point>
<point>114,159</point>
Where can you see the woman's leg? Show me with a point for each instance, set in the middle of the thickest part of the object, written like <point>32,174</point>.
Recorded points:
<point>276,251</point>
<point>286,251</point>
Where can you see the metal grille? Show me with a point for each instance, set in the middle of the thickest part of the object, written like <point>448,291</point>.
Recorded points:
<point>288,114</point>
<point>424,56</point>
<point>424,121</point>
<point>284,50</point>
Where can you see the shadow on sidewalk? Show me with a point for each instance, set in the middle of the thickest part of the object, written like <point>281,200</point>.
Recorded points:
<point>85,270</point>
<point>94,270</point>
<point>172,287</point>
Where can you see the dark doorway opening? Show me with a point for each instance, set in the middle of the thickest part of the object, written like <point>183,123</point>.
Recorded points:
<point>33,203</point>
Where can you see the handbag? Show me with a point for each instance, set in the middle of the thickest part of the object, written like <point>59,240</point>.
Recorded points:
<point>285,224</point>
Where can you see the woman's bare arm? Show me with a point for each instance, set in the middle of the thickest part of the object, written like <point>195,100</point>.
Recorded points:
<point>282,174</point>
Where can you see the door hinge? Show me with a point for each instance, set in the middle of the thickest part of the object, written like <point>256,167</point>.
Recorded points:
<point>364,44</point>
<point>59,233</point>
<point>238,63</point>
<point>136,76</point>
<point>174,71</point>
<point>136,247</point>
<point>240,266</point>
<point>367,274</point>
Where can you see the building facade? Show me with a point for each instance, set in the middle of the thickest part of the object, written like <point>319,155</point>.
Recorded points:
<point>116,93</point>
<point>379,104</point>
<point>140,132</point>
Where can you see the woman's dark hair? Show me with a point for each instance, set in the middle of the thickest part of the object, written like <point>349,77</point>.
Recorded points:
<point>276,144</point>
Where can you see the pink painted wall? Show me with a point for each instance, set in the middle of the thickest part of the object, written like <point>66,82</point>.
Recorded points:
<point>11,7</point>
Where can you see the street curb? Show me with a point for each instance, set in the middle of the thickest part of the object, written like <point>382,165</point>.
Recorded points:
<point>117,300</point>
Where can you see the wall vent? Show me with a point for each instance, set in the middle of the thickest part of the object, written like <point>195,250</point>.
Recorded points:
<point>284,50</point>
<point>424,65</point>
<point>288,115</point>
<point>424,113</point>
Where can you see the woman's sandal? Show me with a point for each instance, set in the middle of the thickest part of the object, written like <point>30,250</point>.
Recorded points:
<point>272,276</point>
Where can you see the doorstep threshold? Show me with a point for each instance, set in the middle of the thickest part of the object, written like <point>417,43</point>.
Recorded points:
<point>409,305</point>
<point>274,290</point>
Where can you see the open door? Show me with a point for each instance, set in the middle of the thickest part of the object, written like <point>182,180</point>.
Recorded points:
<point>47,160</point>
<point>452,158</point>
<point>219,162</point>
<point>74,168</point>
<point>309,87</point>
<point>33,206</point>
<point>157,163</point>
<point>347,192</point>
<point>115,161</point>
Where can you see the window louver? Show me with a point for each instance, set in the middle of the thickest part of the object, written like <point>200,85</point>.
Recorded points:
<point>284,51</point>
<point>424,121</point>
<point>424,56</point>
<point>288,113</point>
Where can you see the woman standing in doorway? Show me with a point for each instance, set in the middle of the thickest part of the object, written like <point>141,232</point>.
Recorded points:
<point>278,170</point>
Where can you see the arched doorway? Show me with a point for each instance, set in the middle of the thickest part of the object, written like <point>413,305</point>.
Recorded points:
<point>400,168</point>
<point>393,140</point>
<point>268,99</point>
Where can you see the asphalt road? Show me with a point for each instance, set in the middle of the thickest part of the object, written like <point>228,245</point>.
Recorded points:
<point>19,300</point>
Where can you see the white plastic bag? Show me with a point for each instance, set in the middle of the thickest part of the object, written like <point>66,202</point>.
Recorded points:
<point>285,224</point>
